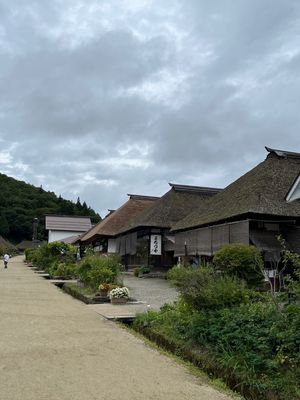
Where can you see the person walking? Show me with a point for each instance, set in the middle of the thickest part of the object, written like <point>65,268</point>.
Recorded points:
<point>6,259</point>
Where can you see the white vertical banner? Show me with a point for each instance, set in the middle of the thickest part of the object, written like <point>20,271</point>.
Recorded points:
<point>155,245</point>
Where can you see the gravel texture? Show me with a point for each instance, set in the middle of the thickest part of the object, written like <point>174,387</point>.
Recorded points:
<point>153,291</point>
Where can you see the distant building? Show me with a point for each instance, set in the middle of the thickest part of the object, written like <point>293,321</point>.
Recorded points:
<point>103,235</point>
<point>60,227</point>
<point>6,244</point>
<point>28,244</point>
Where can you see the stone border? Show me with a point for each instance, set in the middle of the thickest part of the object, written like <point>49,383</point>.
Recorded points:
<point>79,296</point>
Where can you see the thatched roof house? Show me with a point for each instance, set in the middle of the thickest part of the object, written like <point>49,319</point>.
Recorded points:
<point>253,209</point>
<point>28,244</point>
<point>178,202</point>
<point>111,225</point>
<point>5,244</point>
<point>152,226</point>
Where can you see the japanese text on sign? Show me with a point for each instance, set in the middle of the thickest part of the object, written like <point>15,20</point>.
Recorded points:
<point>155,245</point>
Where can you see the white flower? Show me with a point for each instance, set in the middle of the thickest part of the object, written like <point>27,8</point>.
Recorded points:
<point>119,293</point>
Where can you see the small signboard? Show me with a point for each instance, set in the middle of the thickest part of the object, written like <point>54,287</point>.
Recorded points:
<point>155,245</point>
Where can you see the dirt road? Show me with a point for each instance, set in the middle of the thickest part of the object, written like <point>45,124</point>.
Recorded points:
<point>54,347</point>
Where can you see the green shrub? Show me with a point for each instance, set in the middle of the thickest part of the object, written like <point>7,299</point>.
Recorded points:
<point>64,270</point>
<point>50,253</point>
<point>7,249</point>
<point>292,281</point>
<point>204,288</point>
<point>28,254</point>
<point>251,344</point>
<point>94,270</point>
<point>256,351</point>
<point>141,270</point>
<point>145,270</point>
<point>241,261</point>
<point>250,338</point>
<point>178,274</point>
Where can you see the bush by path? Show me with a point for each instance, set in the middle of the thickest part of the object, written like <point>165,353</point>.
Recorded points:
<point>48,254</point>
<point>233,332</point>
<point>59,260</point>
<point>94,270</point>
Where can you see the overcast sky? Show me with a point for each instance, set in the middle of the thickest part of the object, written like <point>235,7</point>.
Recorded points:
<point>99,98</point>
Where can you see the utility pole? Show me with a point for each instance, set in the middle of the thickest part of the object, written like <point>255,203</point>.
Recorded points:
<point>34,230</point>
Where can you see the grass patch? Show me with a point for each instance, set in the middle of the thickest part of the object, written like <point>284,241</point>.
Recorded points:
<point>83,294</point>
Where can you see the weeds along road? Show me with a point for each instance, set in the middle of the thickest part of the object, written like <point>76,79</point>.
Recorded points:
<point>54,347</point>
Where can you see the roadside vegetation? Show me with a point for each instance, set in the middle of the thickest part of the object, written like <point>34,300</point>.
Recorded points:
<point>226,323</point>
<point>93,272</point>
<point>11,250</point>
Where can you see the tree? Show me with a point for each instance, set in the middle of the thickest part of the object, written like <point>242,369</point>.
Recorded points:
<point>20,203</point>
<point>242,261</point>
<point>4,226</point>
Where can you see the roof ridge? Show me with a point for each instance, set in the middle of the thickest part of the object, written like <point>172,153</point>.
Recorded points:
<point>141,197</point>
<point>67,216</point>
<point>193,188</point>
<point>283,153</point>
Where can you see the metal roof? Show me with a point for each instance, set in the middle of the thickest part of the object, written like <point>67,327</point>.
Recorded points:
<point>65,223</point>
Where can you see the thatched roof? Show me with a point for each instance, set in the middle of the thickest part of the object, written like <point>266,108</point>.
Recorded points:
<point>262,190</point>
<point>28,244</point>
<point>5,243</point>
<point>178,202</point>
<point>116,220</point>
<point>71,239</point>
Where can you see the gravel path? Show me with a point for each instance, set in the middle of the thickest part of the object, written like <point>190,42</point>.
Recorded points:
<point>153,291</point>
<point>53,347</point>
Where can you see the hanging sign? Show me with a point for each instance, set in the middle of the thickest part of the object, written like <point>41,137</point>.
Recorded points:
<point>155,245</point>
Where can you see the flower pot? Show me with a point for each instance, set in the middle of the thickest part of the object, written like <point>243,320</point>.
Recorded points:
<point>118,300</point>
<point>103,293</point>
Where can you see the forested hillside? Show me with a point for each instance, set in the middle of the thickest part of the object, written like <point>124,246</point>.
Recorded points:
<point>21,202</point>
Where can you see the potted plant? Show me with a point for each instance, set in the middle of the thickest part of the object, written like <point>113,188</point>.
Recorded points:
<point>104,288</point>
<point>140,271</point>
<point>119,295</point>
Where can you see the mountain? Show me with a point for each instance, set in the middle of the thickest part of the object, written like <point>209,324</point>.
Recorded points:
<point>21,202</point>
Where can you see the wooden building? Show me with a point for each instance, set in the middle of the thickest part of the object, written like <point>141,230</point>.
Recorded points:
<point>102,237</point>
<point>255,209</point>
<point>146,239</point>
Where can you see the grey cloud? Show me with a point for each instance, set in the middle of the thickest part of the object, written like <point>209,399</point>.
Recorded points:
<point>95,111</point>
<point>75,92</point>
